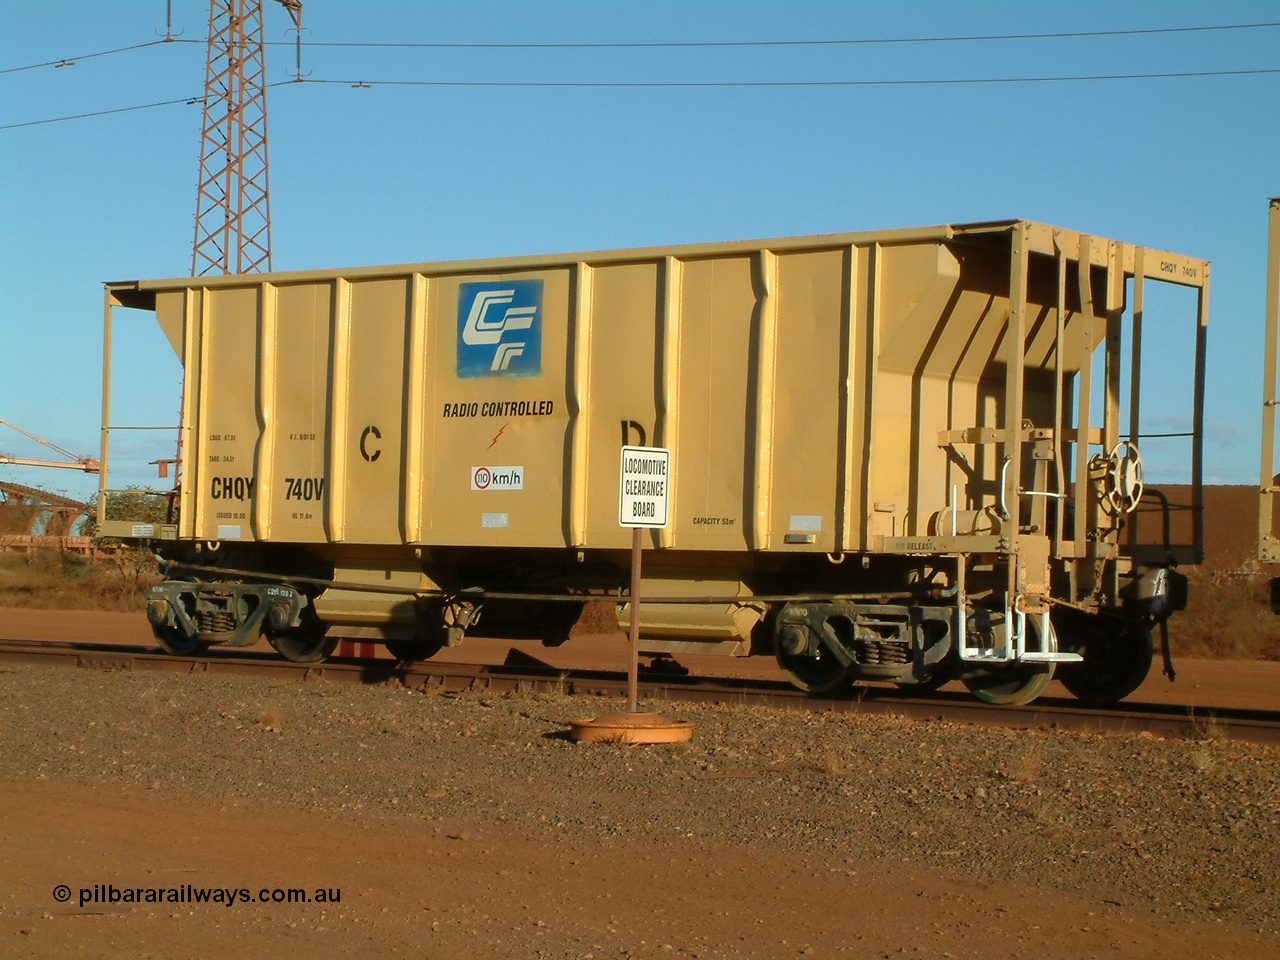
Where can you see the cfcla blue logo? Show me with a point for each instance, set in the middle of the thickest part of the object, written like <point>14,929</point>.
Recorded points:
<point>500,328</point>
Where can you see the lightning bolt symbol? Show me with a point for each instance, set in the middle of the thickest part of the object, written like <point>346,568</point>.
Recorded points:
<point>499,433</point>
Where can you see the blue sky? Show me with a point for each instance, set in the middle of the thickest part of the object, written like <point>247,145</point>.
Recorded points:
<point>389,174</point>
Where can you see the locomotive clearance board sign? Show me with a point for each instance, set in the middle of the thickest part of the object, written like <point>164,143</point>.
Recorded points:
<point>645,487</point>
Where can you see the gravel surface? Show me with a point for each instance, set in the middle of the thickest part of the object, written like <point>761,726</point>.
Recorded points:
<point>1169,827</point>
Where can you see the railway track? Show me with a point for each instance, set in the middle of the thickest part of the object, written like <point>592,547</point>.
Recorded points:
<point>523,673</point>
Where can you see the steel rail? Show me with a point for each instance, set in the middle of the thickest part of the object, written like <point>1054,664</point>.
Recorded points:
<point>524,673</point>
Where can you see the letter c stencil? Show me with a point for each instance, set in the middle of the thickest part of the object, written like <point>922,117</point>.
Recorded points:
<point>376,452</point>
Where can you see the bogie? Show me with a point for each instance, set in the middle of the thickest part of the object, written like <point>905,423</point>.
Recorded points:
<point>823,647</point>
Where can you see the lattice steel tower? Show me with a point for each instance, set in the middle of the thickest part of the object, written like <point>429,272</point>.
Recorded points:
<point>233,199</point>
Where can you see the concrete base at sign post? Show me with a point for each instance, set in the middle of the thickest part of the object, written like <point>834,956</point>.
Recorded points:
<point>631,728</point>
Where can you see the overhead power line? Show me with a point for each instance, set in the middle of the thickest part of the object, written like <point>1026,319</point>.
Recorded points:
<point>101,113</point>
<point>730,84</point>
<point>685,84</point>
<point>72,61</point>
<point>694,84</point>
<point>859,41</point>
<point>690,44</point>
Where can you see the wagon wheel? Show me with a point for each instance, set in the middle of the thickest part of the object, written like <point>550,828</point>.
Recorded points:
<point>413,650</point>
<point>1007,683</point>
<point>306,643</point>
<point>1117,655</point>
<point>1013,683</point>
<point>423,645</point>
<point>429,637</point>
<point>174,641</point>
<point>821,673</point>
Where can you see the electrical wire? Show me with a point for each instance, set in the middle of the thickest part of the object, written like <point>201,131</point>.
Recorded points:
<point>708,84</point>
<point>72,61</point>
<point>101,113</point>
<point>695,84</point>
<point>700,44</point>
<point>676,45</point>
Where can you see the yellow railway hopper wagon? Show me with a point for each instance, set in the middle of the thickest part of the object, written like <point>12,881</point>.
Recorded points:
<point>907,455</point>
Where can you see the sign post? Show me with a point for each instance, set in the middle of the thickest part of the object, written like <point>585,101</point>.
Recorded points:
<point>644,494</point>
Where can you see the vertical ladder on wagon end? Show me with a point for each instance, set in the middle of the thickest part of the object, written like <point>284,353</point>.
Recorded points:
<point>1018,642</point>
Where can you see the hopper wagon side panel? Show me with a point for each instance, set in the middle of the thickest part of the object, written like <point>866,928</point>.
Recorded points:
<point>494,465</point>
<point>295,444</point>
<point>226,431</point>
<point>801,391</point>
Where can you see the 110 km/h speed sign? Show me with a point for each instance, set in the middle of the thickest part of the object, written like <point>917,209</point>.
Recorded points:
<point>645,487</point>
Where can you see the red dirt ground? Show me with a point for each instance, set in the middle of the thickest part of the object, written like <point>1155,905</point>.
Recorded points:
<point>476,890</point>
<point>472,891</point>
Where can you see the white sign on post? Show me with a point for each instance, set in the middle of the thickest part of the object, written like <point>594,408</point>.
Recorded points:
<point>645,487</point>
